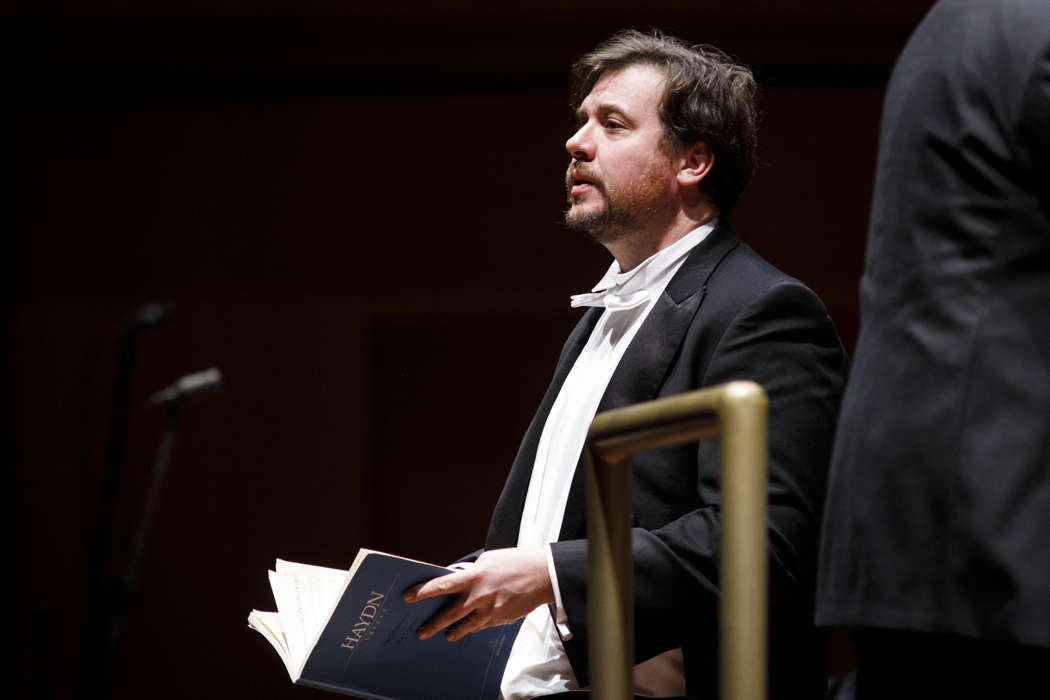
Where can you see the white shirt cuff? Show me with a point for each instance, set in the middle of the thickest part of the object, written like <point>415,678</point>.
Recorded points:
<point>561,620</point>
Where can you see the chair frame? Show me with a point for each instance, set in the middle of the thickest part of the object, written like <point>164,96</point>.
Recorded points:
<point>738,413</point>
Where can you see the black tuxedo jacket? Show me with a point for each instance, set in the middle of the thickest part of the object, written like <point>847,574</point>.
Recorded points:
<point>727,314</point>
<point>938,513</point>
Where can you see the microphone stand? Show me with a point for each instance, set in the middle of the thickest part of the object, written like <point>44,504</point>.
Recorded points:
<point>171,398</point>
<point>100,596</point>
<point>119,598</point>
<point>149,506</point>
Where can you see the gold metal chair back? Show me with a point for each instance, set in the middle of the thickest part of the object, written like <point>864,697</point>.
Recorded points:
<point>737,412</point>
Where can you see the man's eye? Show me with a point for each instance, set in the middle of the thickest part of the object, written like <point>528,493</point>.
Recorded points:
<point>613,124</point>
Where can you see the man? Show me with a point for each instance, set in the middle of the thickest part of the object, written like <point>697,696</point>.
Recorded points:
<point>664,147</point>
<point>936,545</point>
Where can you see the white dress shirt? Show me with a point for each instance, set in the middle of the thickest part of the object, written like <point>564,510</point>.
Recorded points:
<point>538,664</point>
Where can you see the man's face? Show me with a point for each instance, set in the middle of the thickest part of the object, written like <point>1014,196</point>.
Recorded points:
<point>621,176</point>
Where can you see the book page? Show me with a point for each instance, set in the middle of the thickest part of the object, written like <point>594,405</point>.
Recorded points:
<point>319,587</point>
<point>268,624</point>
<point>305,595</point>
<point>285,566</point>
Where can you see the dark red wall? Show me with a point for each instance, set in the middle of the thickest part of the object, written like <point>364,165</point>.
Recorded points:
<point>355,214</point>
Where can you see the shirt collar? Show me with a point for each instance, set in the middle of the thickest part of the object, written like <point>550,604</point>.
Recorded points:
<point>625,290</point>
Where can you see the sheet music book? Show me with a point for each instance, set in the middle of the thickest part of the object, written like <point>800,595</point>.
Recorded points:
<point>349,632</point>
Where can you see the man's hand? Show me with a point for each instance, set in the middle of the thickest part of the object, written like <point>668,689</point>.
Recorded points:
<point>501,586</point>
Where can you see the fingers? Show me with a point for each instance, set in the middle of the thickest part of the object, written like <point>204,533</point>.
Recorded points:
<point>452,613</point>
<point>501,587</point>
<point>442,585</point>
<point>455,611</point>
<point>474,622</point>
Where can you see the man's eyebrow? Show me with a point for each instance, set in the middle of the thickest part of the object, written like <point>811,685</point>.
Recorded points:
<point>602,108</point>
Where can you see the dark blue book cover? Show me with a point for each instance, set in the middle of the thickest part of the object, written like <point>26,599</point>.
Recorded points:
<point>369,646</point>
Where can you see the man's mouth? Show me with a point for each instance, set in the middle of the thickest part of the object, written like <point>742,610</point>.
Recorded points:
<point>579,183</point>
<point>580,186</point>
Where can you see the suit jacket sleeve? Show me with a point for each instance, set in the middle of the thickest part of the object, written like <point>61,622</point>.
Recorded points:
<point>783,339</point>
<point>1033,136</point>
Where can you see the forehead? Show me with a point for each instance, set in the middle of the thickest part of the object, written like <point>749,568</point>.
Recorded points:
<point>638,89</point>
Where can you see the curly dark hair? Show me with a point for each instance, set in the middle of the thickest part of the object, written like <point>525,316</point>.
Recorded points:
<point>708,97</point>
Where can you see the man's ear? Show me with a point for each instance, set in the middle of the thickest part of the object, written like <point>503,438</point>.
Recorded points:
<point>696,162</point>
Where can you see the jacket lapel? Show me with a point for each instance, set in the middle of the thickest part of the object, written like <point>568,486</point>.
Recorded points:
<point>506,518</point>
<point>645,364</point>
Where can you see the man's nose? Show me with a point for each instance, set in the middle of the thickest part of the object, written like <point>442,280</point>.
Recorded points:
<point>580,145</point>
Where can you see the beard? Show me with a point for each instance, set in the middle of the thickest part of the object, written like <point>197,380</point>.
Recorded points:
<point>622,211</point>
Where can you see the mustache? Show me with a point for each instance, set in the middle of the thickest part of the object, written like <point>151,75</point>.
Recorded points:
<point>580,171</point>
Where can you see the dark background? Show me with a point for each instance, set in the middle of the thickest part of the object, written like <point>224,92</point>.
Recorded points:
<point>354,210</point>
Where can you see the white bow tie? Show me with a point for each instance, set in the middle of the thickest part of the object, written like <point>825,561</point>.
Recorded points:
<point>610,299</point>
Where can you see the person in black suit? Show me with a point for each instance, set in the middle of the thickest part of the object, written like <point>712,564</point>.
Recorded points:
<point>665,145</point>
<point>936,543</point>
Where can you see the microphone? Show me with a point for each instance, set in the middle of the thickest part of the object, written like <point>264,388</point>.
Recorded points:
<point>198,383</point>
<point>146,317</point>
